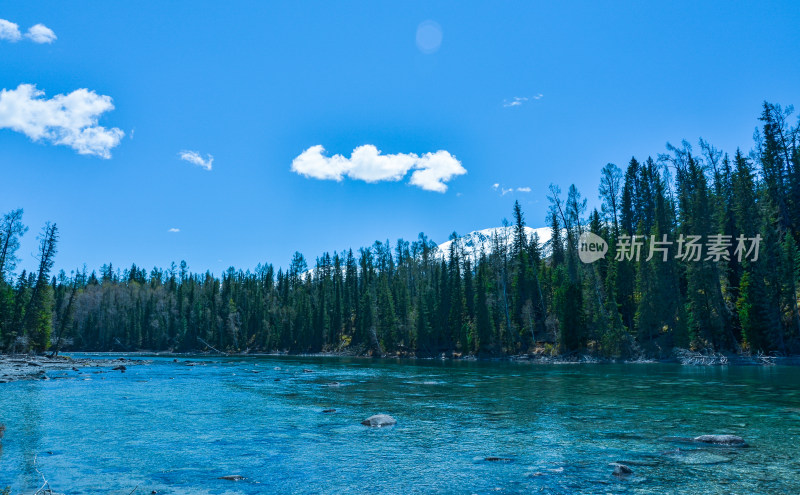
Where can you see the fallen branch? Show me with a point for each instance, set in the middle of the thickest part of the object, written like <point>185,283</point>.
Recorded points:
<point>693,358</point>
<point>42,490</point>
<point>211,346</point>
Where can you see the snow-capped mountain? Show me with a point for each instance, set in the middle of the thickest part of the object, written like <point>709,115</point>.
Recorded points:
<point>472,243</point>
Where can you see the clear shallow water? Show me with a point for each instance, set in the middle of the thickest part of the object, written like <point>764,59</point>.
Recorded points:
<point>176,428</point>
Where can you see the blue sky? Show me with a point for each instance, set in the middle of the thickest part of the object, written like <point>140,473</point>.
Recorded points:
<point>255,84</point>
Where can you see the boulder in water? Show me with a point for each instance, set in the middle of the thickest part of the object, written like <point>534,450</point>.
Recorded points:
<point>621,469</point>
<point>232,477</point>
<point>379,420</point>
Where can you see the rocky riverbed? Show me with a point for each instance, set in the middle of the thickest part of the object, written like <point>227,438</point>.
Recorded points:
<point>15,367</point>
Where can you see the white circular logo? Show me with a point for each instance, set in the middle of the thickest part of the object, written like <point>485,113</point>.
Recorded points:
<point>591,247</point>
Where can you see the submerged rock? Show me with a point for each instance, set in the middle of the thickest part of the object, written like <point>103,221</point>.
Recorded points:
<point>698,458</point>
<point>232,477</point>
<point>120,368</point>
<point>639,462</point>
<point>379,420</point>
<point>729,440</point>
<point>621,469</point>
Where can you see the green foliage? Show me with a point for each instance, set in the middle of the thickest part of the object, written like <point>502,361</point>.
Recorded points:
<point>516,296</point>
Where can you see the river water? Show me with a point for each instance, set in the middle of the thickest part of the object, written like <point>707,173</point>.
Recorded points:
<point>176,427</point>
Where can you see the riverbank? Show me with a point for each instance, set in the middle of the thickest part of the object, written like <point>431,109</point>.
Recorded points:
<point>679,356</point>
<point>14,367</point>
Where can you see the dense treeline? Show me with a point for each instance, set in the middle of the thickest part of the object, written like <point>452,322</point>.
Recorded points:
<point>516,296</point>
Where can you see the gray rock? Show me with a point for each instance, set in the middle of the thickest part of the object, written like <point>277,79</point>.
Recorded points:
<point>379,420</point>
<point>730,440</point>
<point>621,469</point>
<point>232,477</point>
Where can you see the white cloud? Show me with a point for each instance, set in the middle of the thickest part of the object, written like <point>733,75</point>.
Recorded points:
<point>69,119</point>
<point>434,169</point>
<point>173,229</point>
<point>431,171</point>
<point>9,31</point>
<point>503,191</point>
<point>519,100</point>
<point>195,158</point>
<point>40,33</point>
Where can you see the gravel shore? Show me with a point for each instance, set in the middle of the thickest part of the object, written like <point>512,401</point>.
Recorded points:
<point>15,367</point>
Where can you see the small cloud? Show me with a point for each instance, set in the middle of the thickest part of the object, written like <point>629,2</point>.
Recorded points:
<point>173,229</point>
<point>431,171</point>
<point>40,33</point>
<point>195,158</point>
<point>519,100</point>
<point>9,31</point>
<point>69,119</point>
<point>503,190</point>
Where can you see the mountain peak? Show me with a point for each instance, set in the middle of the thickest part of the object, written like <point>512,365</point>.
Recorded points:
<point>472,243</point>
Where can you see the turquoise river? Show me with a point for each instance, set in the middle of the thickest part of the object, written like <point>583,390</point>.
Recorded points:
<point>178,426</point>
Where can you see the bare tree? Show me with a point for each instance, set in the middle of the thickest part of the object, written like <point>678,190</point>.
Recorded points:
<point>11,229</point>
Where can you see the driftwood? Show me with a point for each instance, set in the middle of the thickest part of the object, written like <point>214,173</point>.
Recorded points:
<point>211,346</point>
<point>711,358</point>
<point>688,357</point>
<point>45,489</point>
